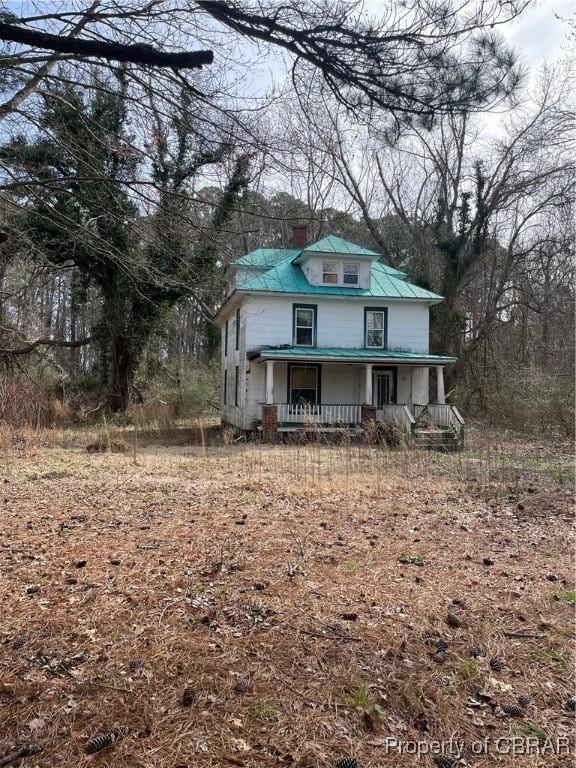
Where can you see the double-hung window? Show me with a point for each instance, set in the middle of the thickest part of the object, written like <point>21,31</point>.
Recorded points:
<point>350,274</point>
<point>336,273</point>
<point>237,329</point>
<point>375,327</point>
<point>304,334</point>
<point>225,338</point>
<point>330,272</point>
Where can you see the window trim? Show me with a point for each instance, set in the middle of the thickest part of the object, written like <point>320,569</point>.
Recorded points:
<point>225,397</point>
<point>340,265</point>
<point>238,329</point>
<point>226,338</point>
<point>337,273</point>
<point>314,308</point>
<point>384,310</point>
<point>304,364</point>
<point>236,384</point>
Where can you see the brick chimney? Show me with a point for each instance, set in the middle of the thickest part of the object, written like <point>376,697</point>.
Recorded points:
<point>300,236</point>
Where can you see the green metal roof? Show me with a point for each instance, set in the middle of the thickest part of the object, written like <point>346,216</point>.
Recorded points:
<point>287,277</point>
<point>264,258</point>
<point>335,244</point>
<point>336,353</point>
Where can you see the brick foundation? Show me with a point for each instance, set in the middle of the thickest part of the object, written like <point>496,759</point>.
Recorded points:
<point>269,423</point>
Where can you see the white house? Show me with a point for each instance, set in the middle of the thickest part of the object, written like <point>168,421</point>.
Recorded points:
<point>326,334</point>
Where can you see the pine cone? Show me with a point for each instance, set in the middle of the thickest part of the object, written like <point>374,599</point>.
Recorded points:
<point>346,762</point>
<point>445,761</point>
<point>524,699</point>
<point>496,664</point>
<point>441,645</point>
<point>570,704</point>
<point>512,710</point>
<point>188,696</point>
<point>242,685</point>
<point>439,657</point>
<point>453,621</point>
<point>103,740</point>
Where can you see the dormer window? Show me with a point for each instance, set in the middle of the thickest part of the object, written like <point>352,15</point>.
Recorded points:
<point>330,272</point>
<point>350,274</point>
<point>336,273</point>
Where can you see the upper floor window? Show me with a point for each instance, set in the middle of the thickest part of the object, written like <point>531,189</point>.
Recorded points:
<point>237,329</point>
<point>304,325</point>
<point>330,272</point>
<point>225,338</point>
<point>375,327</point>
<point>335,273</point>
<point>350,274</point>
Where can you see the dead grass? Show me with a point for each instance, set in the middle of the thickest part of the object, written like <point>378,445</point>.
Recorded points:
<point>204,566</point>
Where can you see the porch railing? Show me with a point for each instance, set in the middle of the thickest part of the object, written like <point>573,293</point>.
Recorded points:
<point>334,415</point>
<point>397,414</point>
<point>442,414</point>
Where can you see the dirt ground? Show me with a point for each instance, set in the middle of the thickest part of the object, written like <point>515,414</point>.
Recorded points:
<point>298,598</point>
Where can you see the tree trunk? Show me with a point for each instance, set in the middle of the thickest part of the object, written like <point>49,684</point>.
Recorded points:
<point>122,370</point>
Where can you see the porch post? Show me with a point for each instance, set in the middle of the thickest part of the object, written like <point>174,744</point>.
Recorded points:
<point>440,395</point>
<point>369,396</point>
<point>269,382</point>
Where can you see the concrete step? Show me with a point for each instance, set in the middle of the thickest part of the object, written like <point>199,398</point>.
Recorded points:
<point>437,439</point>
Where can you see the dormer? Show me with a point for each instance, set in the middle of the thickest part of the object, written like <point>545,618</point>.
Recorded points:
<point>338,263</point>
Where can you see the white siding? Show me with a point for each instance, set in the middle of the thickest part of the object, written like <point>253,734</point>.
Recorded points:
<point>340,322</point>
<point>231,413</point>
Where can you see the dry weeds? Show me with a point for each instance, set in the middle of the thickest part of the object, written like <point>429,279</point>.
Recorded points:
<point>267,583</point>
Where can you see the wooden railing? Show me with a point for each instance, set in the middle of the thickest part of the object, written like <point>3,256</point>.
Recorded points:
<point>397,414</point>
<point>442,414</point>
<point>334,415</point>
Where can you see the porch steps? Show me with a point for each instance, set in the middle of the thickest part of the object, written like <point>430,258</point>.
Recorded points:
<point>442,439</point>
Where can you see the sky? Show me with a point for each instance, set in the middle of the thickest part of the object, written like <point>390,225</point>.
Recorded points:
<point>539,35</point>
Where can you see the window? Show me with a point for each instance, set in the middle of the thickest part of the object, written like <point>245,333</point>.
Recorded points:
<point>304,384</point>
<point>350,274</point>
<point>225,394</point>
<point>226,338</point>
<point>236,383</point>
<point>237,329</point>
<point>304,325</point>
<point>375,327</point>
<point>329,272</point>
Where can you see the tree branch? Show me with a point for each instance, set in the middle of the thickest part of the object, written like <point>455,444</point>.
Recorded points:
<point>135,54</point>
<point>31,346</point>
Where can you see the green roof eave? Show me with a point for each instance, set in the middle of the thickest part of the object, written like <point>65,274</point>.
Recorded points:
<point>343,354</point>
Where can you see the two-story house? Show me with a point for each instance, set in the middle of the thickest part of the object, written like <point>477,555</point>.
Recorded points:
<point>327,334</point>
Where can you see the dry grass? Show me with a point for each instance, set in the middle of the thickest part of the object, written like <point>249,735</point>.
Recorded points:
<point>207,565</point>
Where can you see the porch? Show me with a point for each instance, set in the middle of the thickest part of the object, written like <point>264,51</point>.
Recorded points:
<point>337,390</point>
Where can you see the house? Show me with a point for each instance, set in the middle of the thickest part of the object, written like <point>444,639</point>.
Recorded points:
<point>327,335</point>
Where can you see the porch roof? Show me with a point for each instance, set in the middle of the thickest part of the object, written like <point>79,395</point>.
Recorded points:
<point>344,355</point>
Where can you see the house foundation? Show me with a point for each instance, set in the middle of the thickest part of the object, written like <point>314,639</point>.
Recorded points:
<point>270,423</point>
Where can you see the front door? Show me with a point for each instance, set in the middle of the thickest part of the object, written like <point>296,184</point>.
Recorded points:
<point>384,388</point>
<point>304,384</point>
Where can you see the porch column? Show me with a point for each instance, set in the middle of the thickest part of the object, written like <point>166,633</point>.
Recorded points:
<point>440,395</point>
<point>369,396</point>
<point>269,382</point>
